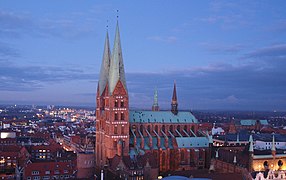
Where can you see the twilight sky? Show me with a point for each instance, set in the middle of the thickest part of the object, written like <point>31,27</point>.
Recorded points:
<point>222,54</point>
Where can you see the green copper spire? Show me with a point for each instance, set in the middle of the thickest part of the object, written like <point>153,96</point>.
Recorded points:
<point>104,70</point>
<point>250,143</point>
<point>116,71</point>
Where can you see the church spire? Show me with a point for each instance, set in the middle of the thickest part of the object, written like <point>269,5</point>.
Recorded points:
<point>155,106</point>
<point>116,72</point>
<point>250,144</point>
<point>174,104</point>
<point>273,148</point>
<point>104,70</point>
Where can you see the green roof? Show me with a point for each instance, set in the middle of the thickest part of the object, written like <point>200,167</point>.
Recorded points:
<point>161,117</point>
<point>251,122</point>
<point>192,142</point>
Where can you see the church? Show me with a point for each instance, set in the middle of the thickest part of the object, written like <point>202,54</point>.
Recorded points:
<point>140,144</point>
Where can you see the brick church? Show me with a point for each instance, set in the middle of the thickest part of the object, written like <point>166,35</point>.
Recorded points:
<point>142,144</point>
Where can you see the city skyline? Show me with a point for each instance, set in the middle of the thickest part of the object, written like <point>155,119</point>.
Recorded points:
<point>222,54</point>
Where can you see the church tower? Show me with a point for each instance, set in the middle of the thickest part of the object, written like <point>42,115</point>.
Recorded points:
<point>155,106</point>
<point>112,112</point>
<point>174,104</point>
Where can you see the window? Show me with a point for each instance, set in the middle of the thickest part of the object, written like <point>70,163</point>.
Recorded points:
<point>36,177</point>
<point>122,103</point>
<point>115,130</point>
<point>115,116</point>
<point>48,172</point>
<point>115,103</point>
<point>29,178</point>
<point>122,116</point>
<point>35,172</point>
<point>122,129</point>
<point>66,171</point>
<point>57,172</point>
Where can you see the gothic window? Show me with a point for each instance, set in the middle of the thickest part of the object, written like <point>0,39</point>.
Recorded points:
<point>163,128</point>
<point>182,155</point>
<point>116,116</point>
<point>122,103</point>
<point>115,130</point>
<point>115,103</point>
<point>171,129</point>
<point>122,129</point>
<point>156,128</point>
<point>179,128</point>
<point>163,158</point>
<point>122,116</point>
<point>186,128</point>
<point>193,128</point>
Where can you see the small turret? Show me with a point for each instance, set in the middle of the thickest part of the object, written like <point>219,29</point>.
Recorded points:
<point>174,104</point>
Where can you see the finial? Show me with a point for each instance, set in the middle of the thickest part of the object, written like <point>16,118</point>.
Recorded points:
<point>107,24</point>
<point>117,14</point>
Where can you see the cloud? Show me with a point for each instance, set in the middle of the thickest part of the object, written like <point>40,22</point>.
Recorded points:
<point>6,51</point>
<point>168,39</point>
<point>220,48</point>
<point>15,25</point>
<point>33,77</point>
<point>273,51</point>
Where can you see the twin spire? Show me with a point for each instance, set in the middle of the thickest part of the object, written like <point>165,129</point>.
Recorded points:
<point>112,67</point>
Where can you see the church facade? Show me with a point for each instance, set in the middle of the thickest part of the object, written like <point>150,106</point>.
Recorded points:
<point>142,143</point>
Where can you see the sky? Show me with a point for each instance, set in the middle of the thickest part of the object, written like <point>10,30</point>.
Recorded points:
<point>227,55</point>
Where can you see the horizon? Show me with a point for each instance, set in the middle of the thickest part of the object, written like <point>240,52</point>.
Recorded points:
<point>222,54</point>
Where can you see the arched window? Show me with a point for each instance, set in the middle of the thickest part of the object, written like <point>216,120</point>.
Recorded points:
<point>186,128</point>
<point>122,116</point>
<point>115,116</point>
<point>193,129</point>
<point>115,129</point>
<point>122,129</point>
<point>171,128</point>
<point>122,103</point>
<point>182,155</point>
<point>156,128</point>
<point>179,128</point>
<point>115,103</point>
<point>163,158</point>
